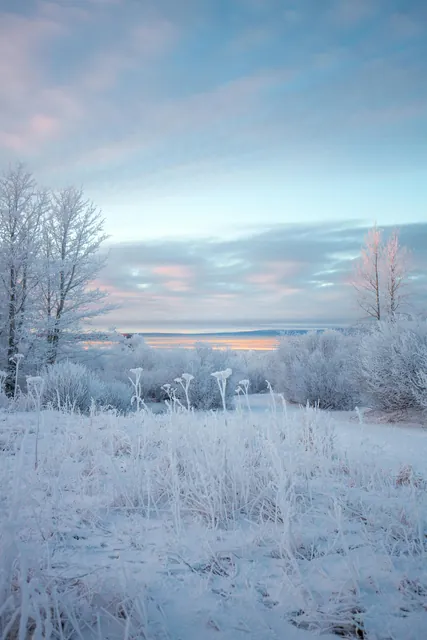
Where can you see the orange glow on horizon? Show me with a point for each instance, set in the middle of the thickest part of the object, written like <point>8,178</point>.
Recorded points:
<point>235,343</point>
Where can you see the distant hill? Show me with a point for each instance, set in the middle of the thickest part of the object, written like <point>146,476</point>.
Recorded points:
<point>257,333</point>
<point>265,333</point>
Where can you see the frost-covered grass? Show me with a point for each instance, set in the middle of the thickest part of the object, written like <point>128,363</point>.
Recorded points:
<point>261,524</point>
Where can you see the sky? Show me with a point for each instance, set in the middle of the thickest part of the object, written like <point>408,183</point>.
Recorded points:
<point>239,149</point>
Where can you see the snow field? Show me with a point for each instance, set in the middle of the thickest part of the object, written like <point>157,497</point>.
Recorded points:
<point>272,523</point>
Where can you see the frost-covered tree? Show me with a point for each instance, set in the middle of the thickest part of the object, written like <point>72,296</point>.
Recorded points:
<point>381,275</point>
<point>391,363</point>
<point>366,279</point>
<point>22,207</point>
<point>420,390</point>
<point>396,266</point>
<point>73,235</point>
<point>316,368</point>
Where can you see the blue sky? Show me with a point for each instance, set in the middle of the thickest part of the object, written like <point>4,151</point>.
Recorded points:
<point>201,120</point>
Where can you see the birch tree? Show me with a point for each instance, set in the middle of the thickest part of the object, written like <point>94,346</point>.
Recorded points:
<point>22,207</point>
<point>72,239</point>
<point>381,275</point>
<point>367,277</point>
<point>396,265</point>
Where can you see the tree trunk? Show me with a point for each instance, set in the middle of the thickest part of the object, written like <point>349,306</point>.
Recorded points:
<point>377,287</point>
<point>11,343</point>
<point>53,341</point>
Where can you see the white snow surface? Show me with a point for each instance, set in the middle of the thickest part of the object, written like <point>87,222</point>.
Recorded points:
<point>270,523</point>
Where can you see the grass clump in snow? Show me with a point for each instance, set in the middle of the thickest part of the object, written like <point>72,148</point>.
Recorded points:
<point>186,524</point>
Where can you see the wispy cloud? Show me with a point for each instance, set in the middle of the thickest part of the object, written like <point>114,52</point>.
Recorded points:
<point>131,81</point>
<point>32,98</point>
<point>139,46</point>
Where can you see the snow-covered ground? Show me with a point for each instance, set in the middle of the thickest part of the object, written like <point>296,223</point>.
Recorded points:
<point>268,523</point>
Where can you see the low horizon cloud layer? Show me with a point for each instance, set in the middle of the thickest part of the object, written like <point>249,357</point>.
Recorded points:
<point>287,275</point>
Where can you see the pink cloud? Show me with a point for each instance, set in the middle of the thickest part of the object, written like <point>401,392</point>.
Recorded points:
<point>165,304</point>
<point>263,278</point>
<point>176,286</point>
<point>274,274</point>
<point>20,41</point>
<point>42,125</point>
<point>13,142</point>
<point>284,268</point>
<point>116,295</point>
<point>29,131</point>
<point>31,112</point>
<point>39,128</point>
<point>177,271</point>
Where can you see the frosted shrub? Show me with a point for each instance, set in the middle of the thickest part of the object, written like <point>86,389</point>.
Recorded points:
<point>153,379</point>
<point>316,368</point>
<point>255,367</point>
<point>420,390</point>
<point>158,366</point>
<point>391,364</point>
<point>71,387</point>
<point>166,366</point>
<point>204,392</point>
<point>117,395</point>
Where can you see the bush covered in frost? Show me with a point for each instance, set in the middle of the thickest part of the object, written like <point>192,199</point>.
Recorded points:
<point>117,395</point>
<point>204,392</point>
<point>162,367</point>
<point>392,365</point>
<point>159,366</point>
<point>383,366</point>
<point>316,368</point>
<point>255,367</point>
<point>421,379</point>
<point>71,387</point>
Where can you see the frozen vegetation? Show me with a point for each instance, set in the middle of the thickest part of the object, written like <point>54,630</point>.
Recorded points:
<point>382,367</point>
<point>267,521</point>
